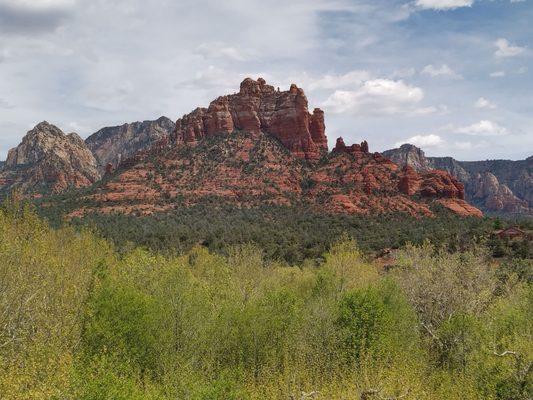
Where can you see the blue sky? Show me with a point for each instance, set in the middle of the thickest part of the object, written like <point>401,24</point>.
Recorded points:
<point>452,76</point>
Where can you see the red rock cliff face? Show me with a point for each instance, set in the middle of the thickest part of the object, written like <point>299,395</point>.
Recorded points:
<point>258,107</point>
<point>431,184</point>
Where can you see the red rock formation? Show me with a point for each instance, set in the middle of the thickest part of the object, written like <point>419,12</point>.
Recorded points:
<point>432,184</point>
<point>437,183</point>
<point>352,149</point>
<point>460,207</point>
<point>409,181</point>
<point>318,129</point>
<point>251,169</point>
<point>258,107</point>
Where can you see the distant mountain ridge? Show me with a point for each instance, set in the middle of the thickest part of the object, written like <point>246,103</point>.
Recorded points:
<point>111,145</point>
<point>499,186</point>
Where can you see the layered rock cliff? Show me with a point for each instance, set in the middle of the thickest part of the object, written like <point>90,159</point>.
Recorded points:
<point>494,185</point>
<point>111,145</point>
<point>258,107</point>
<point>49,160</point>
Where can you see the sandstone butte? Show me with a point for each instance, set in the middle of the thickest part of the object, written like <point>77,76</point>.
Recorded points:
<point>262,146</point>
<point>257,108</point>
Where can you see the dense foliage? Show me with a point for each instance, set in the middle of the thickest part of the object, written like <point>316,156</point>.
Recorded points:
<point>80,321</point>
<point>293,234</point>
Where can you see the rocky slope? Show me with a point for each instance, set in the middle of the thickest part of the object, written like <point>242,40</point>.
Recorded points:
<point>262,146</point>
<point>111,145</point>
<point>48,160</point>
<point>502,186</point>
<point>248,169</point>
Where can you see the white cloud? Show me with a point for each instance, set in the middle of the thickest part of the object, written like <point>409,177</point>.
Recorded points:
<point>219,50</point>
<point>443,70</point>
<point>483,128</point>
<point>430,140</point>
<point>522,70</point>
<point>356,77</point>
<point>436,110</point>
<point>376,97</point>
<point>505,49</point>
<point>483,103</point>
<point>497,74</point>
<point>442,4</point>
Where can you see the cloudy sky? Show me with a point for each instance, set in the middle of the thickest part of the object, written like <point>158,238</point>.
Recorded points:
<point>452,76</point>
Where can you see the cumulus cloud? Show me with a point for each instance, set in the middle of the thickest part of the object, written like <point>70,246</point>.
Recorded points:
<point>376,97</point>
<point>442,4</point>
<point>483,128</point>
<point>444,70</point>
<point>506,49</point>
<point>430,140</point>
<point>483,103</point>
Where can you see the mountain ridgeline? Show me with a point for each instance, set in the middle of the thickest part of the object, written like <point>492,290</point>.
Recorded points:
<point>112,145</point>
<point>259,146</point>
